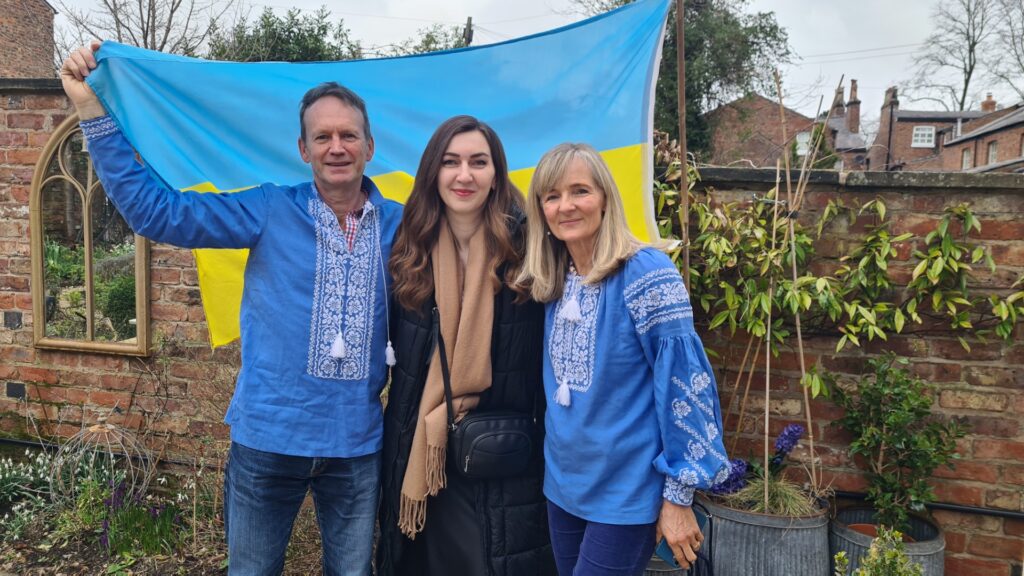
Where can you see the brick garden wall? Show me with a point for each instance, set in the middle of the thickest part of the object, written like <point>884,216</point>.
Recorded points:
<point>26,39</point>
<point>177,397</point>
<point>985,386</point>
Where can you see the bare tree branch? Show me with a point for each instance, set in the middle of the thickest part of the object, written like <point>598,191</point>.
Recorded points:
<point>178,26</point>
<point>963,30</point>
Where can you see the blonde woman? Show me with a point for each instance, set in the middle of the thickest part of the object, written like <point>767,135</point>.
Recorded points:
<point>633,421</point>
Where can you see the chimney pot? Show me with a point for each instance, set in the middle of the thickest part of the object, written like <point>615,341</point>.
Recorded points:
<point>988,104</point>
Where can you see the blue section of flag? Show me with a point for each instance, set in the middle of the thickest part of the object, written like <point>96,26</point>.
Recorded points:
<point>236,125</point>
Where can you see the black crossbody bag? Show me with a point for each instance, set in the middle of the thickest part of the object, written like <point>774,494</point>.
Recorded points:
<point>486,444</point>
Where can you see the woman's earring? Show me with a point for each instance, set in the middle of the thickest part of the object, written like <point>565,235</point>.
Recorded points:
<point>548,232</point>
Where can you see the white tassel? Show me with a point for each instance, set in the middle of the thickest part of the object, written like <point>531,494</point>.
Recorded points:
<point>389,355</point>
<point>563,397</point>
<point>571,310</point>
<point>338,346</point>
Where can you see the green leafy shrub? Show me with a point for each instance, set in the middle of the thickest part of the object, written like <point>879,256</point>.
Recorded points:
<point>889,414</point>
<point>118,304</point>
<point>887,557</point>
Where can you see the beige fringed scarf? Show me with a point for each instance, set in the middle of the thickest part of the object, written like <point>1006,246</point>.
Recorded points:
<point>465,302</point>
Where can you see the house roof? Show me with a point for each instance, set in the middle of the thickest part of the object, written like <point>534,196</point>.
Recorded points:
<point>943,115</point>
<point>846,140</point>
<point>1009,120</point>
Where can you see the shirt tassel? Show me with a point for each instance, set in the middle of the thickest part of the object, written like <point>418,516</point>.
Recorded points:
<point>571,310</point>
<point>389,355</point>
<point>338,349</point>
<point>563,397</point>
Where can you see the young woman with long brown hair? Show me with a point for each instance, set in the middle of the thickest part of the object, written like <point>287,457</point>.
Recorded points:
<point>457,251</point>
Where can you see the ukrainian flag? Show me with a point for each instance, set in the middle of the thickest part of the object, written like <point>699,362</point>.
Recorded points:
<point>224,126</point>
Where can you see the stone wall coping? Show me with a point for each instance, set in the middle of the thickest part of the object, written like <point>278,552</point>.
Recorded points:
<point>34,85</point>
<point>852,181</point>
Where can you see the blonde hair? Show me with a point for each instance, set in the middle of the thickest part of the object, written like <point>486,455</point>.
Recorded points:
<point>547,258</point>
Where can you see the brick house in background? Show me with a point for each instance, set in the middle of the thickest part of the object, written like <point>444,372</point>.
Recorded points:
<point>985,140</point>
<point>996,146</point>
<point>747,132</point>
<point>26,39</point>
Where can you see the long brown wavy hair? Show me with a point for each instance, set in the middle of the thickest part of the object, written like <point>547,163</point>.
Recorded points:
<point>421,220</point>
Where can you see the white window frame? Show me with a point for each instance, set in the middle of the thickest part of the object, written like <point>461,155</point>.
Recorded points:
<point>803,144</point>
<point>993,152</point>
<point>966,159</point>
<point>923,137</point>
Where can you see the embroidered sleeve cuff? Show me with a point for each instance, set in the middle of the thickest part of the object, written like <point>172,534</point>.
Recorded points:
<point>677,493</point>
<point>95,128</point>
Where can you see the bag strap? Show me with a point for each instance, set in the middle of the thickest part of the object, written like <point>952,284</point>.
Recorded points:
<point>445,373</point>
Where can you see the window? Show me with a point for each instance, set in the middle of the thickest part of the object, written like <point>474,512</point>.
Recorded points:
<point>924,137</point>
<point>803,143</point>
<point>1022,146</point>
<point>965,159</point>
<point>90,273</point>
<point>993,152</point>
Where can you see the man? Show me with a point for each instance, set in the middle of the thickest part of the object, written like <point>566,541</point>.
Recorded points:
<point>306,413</point>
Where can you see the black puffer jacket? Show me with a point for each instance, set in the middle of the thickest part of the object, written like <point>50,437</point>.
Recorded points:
<point>512,511</point>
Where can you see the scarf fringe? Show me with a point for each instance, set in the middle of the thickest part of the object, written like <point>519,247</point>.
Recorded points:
<point>412,516</point>
<point>436,477</point>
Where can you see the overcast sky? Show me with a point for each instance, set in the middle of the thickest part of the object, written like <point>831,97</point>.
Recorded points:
<point>872,41</point>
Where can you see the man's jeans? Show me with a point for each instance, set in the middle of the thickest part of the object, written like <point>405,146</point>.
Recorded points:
<point>262,495</point>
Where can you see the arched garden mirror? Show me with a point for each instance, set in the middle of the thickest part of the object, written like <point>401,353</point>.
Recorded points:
<point>90,272</point>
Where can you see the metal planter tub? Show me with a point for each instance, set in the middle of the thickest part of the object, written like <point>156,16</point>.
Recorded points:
<point>746,543</point>
<point>927,549</point>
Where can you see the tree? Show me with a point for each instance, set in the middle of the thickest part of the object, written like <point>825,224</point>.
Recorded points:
<point>1006,60</point>
<point>729,53</point>
<point>432,39</point>
<point>296,37</point>
<point>176,26</point>
<point>944,72</point>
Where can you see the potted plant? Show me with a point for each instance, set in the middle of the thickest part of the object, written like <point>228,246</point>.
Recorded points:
<point>887,557</point>
<point>765,522</point>
<point>901,442</point>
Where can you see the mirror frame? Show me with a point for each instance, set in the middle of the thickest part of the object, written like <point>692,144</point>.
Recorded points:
<point>51,152</point>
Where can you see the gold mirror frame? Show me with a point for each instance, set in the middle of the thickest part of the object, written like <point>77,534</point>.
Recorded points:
<point>58,140</point>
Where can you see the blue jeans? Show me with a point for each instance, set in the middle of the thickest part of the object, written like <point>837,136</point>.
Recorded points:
<point>584,548</point>
<point>262,495</point>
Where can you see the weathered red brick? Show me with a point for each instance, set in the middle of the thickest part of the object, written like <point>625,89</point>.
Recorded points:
<point>40,375</point>
<point>959,494</point>
<point>975,567</point>
<point>108,399</point>
<point>46,101</point>
<point>996,547</point>
<point>998,449</point>
<point>973,400</point>
<point>25,120</point>
<point>969,470</point>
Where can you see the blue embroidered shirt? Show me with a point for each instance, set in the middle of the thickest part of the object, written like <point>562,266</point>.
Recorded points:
<point>644,421</point>
<point>303,284</point>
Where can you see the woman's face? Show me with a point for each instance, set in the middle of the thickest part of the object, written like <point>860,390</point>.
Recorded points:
<point>574,208</point>
<point>467,174</point>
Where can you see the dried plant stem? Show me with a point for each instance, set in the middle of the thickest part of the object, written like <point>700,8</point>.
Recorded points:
<point>746,394</point>
<point>739,376</point>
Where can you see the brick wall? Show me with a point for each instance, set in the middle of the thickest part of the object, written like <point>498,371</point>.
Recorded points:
<point>1009,142</point>
<point>26,39</point>
<point>749,130</point>
<point>177,397</point>
<point>984,386</point>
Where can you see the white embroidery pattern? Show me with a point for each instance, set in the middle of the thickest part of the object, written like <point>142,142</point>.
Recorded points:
<point>680,409</point>
<point>344,294</point>
<point>680,491</point>
<point>702,439</point>
<point>657,297</point>
<point>571,344</point>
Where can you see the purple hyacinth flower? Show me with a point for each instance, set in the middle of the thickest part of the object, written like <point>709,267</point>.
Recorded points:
<point>788,439</point>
